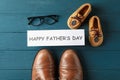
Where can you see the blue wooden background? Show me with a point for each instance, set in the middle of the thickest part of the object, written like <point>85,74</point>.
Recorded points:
<point>102,63</point>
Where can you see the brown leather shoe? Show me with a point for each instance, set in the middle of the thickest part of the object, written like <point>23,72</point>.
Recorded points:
<point>70,67</point>
<point>95,31</point>
<point>43,67</point>
<point>77,18</point>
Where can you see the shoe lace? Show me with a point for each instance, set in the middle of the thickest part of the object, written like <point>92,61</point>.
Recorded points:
<point>96,34</point>
<point>78,17</point>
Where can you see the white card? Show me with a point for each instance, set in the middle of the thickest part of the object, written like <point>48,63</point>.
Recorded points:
<point>56,37</point>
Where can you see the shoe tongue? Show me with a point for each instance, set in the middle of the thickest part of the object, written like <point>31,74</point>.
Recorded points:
<point>79,15</point>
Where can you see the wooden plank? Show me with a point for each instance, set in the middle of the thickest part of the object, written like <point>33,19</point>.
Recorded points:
<point>18,41</point>
<point>100,59</point>
<point>101,74</point>
<point>91,60</point>
<point>88,75</point>
<point>15,74</point>
<point>16,59</point>
<point>31,6</point>
<point>19,23</point>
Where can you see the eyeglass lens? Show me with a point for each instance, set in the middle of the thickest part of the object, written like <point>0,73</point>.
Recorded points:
<point>36,21</point>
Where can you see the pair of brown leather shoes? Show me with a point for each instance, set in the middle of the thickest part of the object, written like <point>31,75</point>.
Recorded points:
<point>95,30</point>
<point>69,68</point>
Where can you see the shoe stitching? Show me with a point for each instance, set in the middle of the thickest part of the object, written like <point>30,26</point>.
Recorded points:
<point>96,33</point>
<point>79,17</point>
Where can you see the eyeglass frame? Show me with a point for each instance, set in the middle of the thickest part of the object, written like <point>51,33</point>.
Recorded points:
<point>42,19</point>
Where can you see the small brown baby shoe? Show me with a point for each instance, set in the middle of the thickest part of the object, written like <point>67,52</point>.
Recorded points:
<point>76,19</point>
<point>70,67</point>
<point>43,67</point>
<point>95,32</point>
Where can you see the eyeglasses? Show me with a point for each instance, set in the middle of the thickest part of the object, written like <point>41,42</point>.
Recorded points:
<point>38,20</point>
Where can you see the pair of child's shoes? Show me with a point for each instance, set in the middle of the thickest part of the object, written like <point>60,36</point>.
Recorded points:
<point>95,30</point>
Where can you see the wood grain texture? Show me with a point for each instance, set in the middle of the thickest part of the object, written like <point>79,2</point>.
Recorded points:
<point>18,22</point>
<point>91,74</point>
<point>18,41</point>
<point>16,58</point>
<point>91,60</point>
<point>42,6</point>
<point>14,16</point>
